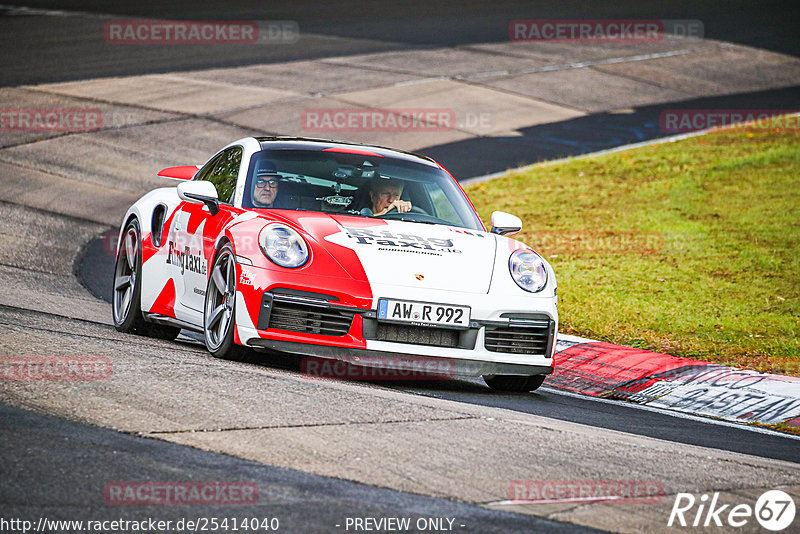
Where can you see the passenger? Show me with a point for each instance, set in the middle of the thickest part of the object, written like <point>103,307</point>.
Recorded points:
<point>384,195</point>
<point>265,185</point>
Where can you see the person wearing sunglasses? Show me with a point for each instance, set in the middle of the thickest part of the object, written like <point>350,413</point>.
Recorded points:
<point>265,185</point>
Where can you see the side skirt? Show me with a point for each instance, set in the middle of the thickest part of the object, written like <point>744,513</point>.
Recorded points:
<point>170,321</point>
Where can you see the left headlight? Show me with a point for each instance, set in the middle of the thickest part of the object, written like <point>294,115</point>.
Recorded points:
<point>528,270</point>
<point>283,246</point>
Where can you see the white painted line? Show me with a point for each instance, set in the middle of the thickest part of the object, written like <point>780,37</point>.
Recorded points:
<point>672,413</point>
<point>642,57</point>
<point>24,11</point>
<point>490,74</point>
<point>650,142</point>
<point>575,65</point>
<point>421,80</point>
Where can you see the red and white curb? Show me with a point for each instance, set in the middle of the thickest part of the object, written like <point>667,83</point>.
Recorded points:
<point>657,380</point>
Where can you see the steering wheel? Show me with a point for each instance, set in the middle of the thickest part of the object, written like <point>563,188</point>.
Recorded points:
<point>414,209</point>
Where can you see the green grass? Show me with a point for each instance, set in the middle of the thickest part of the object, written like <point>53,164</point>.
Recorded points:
<point>690,248</point>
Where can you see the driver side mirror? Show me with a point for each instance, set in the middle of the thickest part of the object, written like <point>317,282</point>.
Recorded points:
<point>200,193</point>
<point>505,224</point>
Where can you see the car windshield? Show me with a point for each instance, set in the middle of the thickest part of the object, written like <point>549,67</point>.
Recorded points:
<point>354,184</point>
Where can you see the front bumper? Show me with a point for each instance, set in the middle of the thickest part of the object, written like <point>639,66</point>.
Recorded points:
<point>410,363</point>
<point>508,343</point>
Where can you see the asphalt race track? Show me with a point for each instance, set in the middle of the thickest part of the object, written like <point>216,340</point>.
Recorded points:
<point>339,28</point>
<point>322,451</point>
<point>284,493</point>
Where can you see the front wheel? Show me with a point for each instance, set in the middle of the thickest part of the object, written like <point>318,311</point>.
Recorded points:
<point>514,384</point>
<point>219,312</point>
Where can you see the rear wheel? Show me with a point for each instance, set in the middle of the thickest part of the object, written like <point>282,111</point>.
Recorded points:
<point>126,302</point>
<point>219,312</point>
<point>514,384</point>
<point>127,272</point>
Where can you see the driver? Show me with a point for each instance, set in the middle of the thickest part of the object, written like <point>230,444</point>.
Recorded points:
<point>265,185</point>
<point>384,195</point>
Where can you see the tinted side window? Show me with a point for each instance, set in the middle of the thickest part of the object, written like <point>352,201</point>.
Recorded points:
<point>223,172</point>
<point>203,173</point>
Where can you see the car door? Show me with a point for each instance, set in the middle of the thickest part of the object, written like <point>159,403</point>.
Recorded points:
<point>197,229</point>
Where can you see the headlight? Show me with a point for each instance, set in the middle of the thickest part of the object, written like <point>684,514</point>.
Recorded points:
<point>283,246</point>
<point>528,270</point>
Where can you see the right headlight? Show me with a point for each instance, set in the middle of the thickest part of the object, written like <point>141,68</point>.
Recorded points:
<point>528,270</point>
<point>283,246</point>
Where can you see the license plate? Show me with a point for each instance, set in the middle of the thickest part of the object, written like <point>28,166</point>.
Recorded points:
<point>423,313</point>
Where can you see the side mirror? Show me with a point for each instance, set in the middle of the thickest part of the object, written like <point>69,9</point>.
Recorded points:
<point>200,193</point>
<point>182,172</point>
<point>505,224</point>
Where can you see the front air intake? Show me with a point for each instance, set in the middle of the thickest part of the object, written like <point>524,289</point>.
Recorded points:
<point>309,318</point>
<point>521,336</point>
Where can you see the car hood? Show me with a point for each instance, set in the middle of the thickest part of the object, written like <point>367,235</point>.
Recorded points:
<point>402,253</point>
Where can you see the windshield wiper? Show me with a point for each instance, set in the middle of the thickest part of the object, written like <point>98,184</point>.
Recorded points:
<point>412,220</point>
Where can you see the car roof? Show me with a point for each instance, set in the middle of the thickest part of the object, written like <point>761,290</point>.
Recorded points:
<point>305,143</point>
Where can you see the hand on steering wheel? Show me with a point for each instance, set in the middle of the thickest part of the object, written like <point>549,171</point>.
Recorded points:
<point>414,209</point>
<point>401,206</point>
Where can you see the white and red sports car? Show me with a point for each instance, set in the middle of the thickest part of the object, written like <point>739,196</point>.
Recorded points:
<point>338,251</point>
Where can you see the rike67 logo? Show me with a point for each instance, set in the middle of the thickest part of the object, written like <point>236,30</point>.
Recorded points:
<point>774,510</point>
